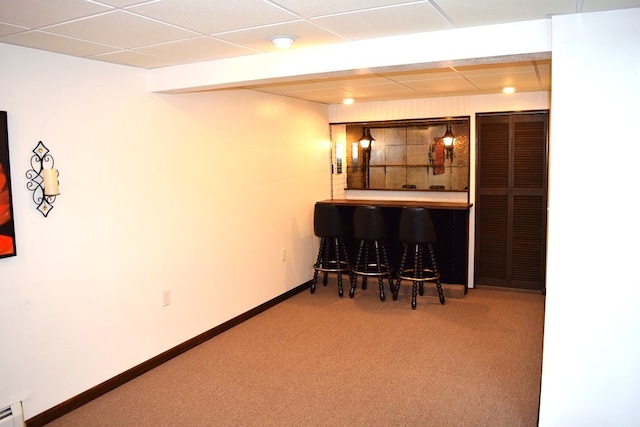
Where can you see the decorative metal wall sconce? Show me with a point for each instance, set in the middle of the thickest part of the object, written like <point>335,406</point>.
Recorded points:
<point>366,142</point>
<point>449,138</point>
<point>43,179</point>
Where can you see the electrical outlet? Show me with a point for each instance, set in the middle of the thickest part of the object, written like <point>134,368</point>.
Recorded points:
<point>166,298</point>
<point>283,254</point>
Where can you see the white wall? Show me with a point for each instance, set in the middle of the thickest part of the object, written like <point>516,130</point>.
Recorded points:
<point>196,193</point>
<point>591,361</point>
<point>81,301</point>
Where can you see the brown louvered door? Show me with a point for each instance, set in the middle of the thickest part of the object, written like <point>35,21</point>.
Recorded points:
<point>511,199</point>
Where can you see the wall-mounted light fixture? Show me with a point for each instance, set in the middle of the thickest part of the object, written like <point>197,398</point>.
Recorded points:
<point>43,179</point>
<point>449,138</point>
<point>366,142</point>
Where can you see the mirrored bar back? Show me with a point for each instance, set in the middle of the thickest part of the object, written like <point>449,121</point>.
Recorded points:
<point>403,154</point>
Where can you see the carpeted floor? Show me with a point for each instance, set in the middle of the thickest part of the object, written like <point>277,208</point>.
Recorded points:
<point>318,360</point>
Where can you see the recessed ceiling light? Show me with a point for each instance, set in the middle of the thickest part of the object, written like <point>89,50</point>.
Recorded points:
<point>283,41</point>
<point>347,101</point>
<point>508,89</point>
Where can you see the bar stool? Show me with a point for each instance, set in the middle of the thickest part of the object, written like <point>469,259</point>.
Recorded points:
<point>369,230</point>
<point>417,234</point>
<point>332,255</point>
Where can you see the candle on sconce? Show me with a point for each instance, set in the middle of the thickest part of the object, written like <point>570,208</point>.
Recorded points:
<point>50,180</point>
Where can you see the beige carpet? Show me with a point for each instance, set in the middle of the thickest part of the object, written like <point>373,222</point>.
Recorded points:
<point>318,360</point>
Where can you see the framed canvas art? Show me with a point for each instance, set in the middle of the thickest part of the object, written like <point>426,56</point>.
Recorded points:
<point>7,230</point>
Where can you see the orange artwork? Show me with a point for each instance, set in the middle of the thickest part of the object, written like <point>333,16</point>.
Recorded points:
<point>438,153</point>
<point>7,238</point>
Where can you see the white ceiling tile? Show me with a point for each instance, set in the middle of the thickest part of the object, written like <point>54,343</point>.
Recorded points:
<point>490,69</point>
<point>291,87</point>
<point>122,3</point>
<point>313,8</point>
<point>524,76</point>
<point>393,20</point>
<point>430,75</point>
<point>280,90</point>
<point>56,43</point>
<point>483,12</point>
<point>135,59</point>
<point>121,29</point>
<point>172,32</point>
<point>444,91</point>
<point>10,29</point>
<point>197,49</point>
<point>454,83</point>
<point>388,87</point>
<point>38,13</point>
<point>599,5</point>
<point>387,94</point>
<point>379,92</point>
<point>321,97</point>
<point>544,74</point>
<point>214,16</point>
<point>358,81</point>
<point>307,35</point>
<point>496,82</point>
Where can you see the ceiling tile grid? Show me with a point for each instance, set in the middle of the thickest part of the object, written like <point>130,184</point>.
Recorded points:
<point>160,33</point>
<point>382,22</point>
<point>214,16</point>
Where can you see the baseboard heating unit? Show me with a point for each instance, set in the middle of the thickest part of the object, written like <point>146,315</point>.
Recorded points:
<point>12,416</point>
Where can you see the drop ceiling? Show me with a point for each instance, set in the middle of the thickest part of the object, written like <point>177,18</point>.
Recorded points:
<point>162,33</point>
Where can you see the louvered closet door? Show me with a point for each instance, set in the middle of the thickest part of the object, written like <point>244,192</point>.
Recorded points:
<point>511,199</point>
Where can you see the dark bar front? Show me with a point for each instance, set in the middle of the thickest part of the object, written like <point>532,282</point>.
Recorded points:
<point>451,221</point>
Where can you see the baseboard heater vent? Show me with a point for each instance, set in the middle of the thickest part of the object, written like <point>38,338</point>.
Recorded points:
<point>12,416</point>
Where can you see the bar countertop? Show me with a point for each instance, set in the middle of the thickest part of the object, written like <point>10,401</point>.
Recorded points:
<point>400,203</point>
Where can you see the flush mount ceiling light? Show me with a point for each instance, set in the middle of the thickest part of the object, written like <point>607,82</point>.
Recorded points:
<point>347,101</point>
<point>283,41</point>
<point>508,89</point>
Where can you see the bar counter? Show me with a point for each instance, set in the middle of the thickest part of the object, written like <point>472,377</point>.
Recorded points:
<point>399,203</point>
<point>450,219</point>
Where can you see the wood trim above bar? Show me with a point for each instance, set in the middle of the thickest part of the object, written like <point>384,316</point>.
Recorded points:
<point>400,203</point>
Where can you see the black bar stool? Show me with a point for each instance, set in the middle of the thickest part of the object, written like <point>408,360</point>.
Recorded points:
<point>417,234</point>
<point>369,230</point>
<point>332,255</point>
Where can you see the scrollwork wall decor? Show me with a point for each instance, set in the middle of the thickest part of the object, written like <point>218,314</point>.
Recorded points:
<point>43,179</point>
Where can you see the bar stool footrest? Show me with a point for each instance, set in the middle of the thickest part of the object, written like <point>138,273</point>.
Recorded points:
<point>369,270</point>
<point>334,267</point>
<point>427,275</point>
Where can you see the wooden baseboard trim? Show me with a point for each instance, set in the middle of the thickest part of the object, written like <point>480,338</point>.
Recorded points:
<point>105,387</point>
